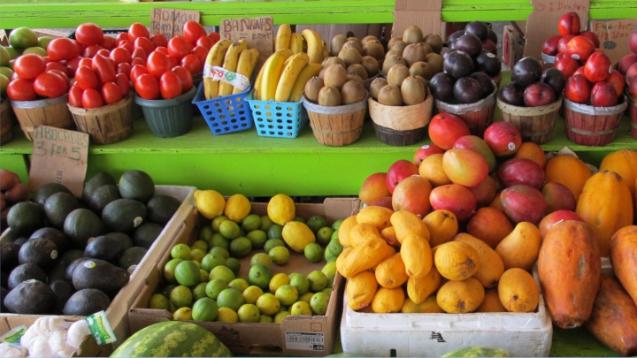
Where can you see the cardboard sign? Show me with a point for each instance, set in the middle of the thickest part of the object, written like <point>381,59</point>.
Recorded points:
<point>170,22</point>
<point>257,31</point>
<point>60,156</point>
<point>542,23</point>
<point>426,14</point>
<point>613,36</point>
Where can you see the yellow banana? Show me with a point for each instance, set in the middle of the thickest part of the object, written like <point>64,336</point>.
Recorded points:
<point>256,93</point>
<point>271,74</point>
<point>296,43</point>
<point>230,63</point>
<point>247,60</point>
<point>312,69</point>
<point>314,45</point>
<point>291,71</point>
<point>215,58</point>
<point>283,36</point>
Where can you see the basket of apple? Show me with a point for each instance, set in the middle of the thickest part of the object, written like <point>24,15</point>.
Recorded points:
<point>532,100</point>
<point>628,66</point>
<point>568,27</point>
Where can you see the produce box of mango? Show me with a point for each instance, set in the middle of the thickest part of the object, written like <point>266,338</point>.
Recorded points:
<point>255,274</point>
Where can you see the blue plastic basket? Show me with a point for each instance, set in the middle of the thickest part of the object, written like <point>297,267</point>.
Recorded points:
<point>278,119</point>
<point>225,114</point>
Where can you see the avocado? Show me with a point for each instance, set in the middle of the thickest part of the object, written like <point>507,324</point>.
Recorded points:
<point>30,297</point>
<point>81,224</point>
<point>58,206</point>
<point>59,270</point>
<point>47,190</point>
<point>99,274</point>
<point>41,251</point>
<point>107,247</point>
<point>85,302</point>
<point>8,253</point>
<point>132,256</point>
<point>161,208</point>
<point>54,234</point>
<point>68,273</point>
<point>146,234</point>
<point>124,215</point>
<point>62,290</point>
<point>25,272</point>
<point>25,217</point>
<point>135,184</point>
<point>101,196</point>
<point>97,181</point>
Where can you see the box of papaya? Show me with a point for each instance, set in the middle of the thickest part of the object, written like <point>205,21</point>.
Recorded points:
<point>290,308</point>
<point>66,270</point>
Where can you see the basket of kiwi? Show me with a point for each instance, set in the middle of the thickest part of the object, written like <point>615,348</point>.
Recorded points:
<point>361,58</point>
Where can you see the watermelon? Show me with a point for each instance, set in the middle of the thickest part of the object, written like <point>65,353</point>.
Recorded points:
<point>172,339</point>
<point>475,352</point>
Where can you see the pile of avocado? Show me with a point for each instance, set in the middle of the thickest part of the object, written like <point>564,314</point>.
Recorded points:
<point>71,256</point>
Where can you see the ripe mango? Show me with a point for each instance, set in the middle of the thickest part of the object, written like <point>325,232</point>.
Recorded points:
<point>388,300</point>
<point>460,296</point>
<point>391,272</point>
<point>406,222</point>
<point>416,254</point>
<point>376,216</point>
<point>518,291</point>
<point>456,260</point>
<point>360,290</point>
<point>421,287</point>
<point>491,266</point>
<point>354,260</point>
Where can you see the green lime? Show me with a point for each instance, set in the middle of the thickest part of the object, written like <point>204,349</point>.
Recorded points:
<point>318,280</point>
<point>180,251</point>
<point>240,247</point>
<point>187,273</point>
<point>181,296</point>
<point>200,244</point>
<point>43,41</point>
<point>231,298</point>
<point>216,222</point>
<point>329,270</point>
<point>35,50</point>
<point>227,315</point>
<point>299,219</point>
<point>197,254</point>
<point>239,283</point>
<point>169,269</point>
<point>159,301</point>
<point>252,293</point>
<point>281,316</point>
<point>333,249</point>
<point>301,308</point>
<point>261,258</point>
<point>13,52</point>
<point>300,282</point>
<point>265,223</point>
<point>278,280</point>
<point>316,222</point>
<point>251,222</point>
<point>214,287</point>
<point>203,275</point>
<point>313,252</point>
<point>222,272</point>
<point>6,71</point>
<point>306,297</point>
<point>219,241</point>
<point>268,304</point>
<point>258,238</point>
<point>199,291</point>
<point>324,235</point>
<point>248,312</point>
<point>229,229</point>
<point>23,37</point>
<point>334,236</point>
<point>219,252</point>
<point>183,314</point>
<point>4,56</point>
<point>266,319</point>
<point>287,294</point>
<point>337,224</point>
<point>259,275</point>
<point>272,243</point>
<point>275,232</point>
<point>205,234</point>
<point>234,264</point>
<point>204,309</point>
<point>211,261</point>
<point>327,290</point>
<point>319,302</point>
<point>279,255</point>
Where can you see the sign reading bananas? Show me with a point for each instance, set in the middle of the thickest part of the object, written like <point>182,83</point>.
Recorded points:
<point>258,32</point>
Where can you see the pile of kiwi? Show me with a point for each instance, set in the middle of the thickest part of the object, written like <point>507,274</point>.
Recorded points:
<point>335,88</point>
<point>419,53</point>
<point>361,58</point>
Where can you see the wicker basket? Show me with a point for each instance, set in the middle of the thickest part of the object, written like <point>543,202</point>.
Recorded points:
<point>336,126</point>
<point>535,123</point>
<point>477,116</point>
<point>107,124</point>
<point>594,126</point>
<point>633,117</point>
<point>44,112</point>
<point>6,123</point>
<point>400,125</point>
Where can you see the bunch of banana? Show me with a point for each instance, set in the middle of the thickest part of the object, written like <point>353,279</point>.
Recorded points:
<point>283,76</point>
<point>308,41</point>
<point>235,57</point>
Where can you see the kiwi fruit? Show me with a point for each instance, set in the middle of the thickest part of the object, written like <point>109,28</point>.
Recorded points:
<point>390,96</point>
<point>369,38</point>
<point>419,68</point>
<point>416,52</point>
<point>329,96</point>
<point>374,49</point>
<point>355,43</point>
<point>357,69</point>
<point>394,40</point>
<point>392,59</point>
<point>331,61</point>
<point>412,34</point>
<point>337,43</point>
<point>413,90</point>
<point>435,61</point>
<point>396,74</point>
<point>376,85</point>
<point>312,88</point>
<point>352,92</point>
<point>350,55</point>
<point>371,65</point>
<point>335,76</point>
<point>352,77</point>
<point>435,41</point>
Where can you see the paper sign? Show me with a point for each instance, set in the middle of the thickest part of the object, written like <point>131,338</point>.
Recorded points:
<point>613,36</point>
<point>170,22</point>
<point>257,31</point>
<point>60,156</point>
<point>426,14</point>
<point>218,73</point>
<point>100,328</point>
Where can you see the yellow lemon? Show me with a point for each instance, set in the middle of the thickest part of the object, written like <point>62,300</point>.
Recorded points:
<point>281,209</point>
<point>209,203</point>
<point>297,235</point>
<point>227,315</point>
<point>278,280</point>
<point>237,207</point>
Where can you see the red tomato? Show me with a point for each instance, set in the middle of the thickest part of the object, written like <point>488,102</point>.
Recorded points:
<point>21,90</point>
<point>122,36</point>
<point>201,52</point>
<point>127,45</point>
<point>137,30</point>
<point>204,41</point>
<point>29,66</point>
<point>124,68</point>
<point>62,48</point>
<point>72,65</point>
<point>111,92</point>
<point>162,49</point>
<point>184,77</point>
<point>169,85</point>
<point>157,64</point>
<point>50,85</point>
<point>91,51</point>
<point>173,61</point>
<point>123,82</point>
<point>61,74</point>
<point>120,55</point>
<point>85,62</point>
<point>103,52</point>
<point>214,37</point>
<point>105,68</point>
<point>89,34</point>
<point>75,96</point>
<point>138,61</point>
<point>159,40</point>
<point>144,43</point>
<point>139,52</point>
<point>55,66</point>
<point>179,47</point>
<point>86,78</point>
<point>91,98</point>
<point>192,31</point>
<point>136,71</point>
<point>192,63</point>
<point>109,42</point>
<point>147,86</point>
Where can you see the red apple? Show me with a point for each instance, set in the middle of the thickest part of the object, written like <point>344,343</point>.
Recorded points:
<point>597,67</point>
<point>579,48</point>
<point>445,129</point>
<point>556,217</point>
<point>561,44</point>
<point>425,151</point>
<point>503,138</point>
<point>578,89</point>
<point>566,65</point>
<point>568,24</point>
<point>550,45</point>
<point>632,42</point>
<point>617,80</point>
<point>398,171</point>
<point>521,171</point>
<point>591,36</point>
<point>603,95</point>
<point>626,62</point>
<point>631,72</point>
<point>632,88</point>
<point>539,94</point>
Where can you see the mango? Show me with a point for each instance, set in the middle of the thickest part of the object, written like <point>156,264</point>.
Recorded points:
<point>412,194</point>
<point>518,291</point>
<point>354,260</point>
<point>442,226</point>
<point>360,290</point>
<point>416,255</point>
<point>389,235</point>
<point>456,260</point>
<point>391,272</point>
<point>489,225</point>
<point>376,216</point>
<point>491,302</point>
<point>623,255</point>
<point>490,265</point>
<point>431,169</point>
<point>362,233</point>
<point>344,230</point>
<point>421,287</point>
<point>521,247</point>
<point>388,300</point>
<point>406,223</point>
<point>460,296</point>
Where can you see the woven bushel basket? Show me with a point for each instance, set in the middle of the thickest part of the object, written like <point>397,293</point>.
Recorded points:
<point>107,124</point>
<point>593,126</point>
<point>400,125</point>
<point>51,112</point>
<point>536,124</point>
<point>336,126</point>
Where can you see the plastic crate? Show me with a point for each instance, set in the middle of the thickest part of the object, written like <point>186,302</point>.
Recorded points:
<point>278,119</point>
<point>225,114</point>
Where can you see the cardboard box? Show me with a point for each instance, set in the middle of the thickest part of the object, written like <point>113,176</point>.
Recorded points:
<point>426,14</point>
<point>613,36</point>
<point>118,309</point>
<point>297,335</point>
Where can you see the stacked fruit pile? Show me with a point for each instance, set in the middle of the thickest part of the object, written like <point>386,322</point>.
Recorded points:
<point>235,57</point>
<point>336,87</point>
<point>530,87</point>
<point>421,53</point>
<point>370,52</point>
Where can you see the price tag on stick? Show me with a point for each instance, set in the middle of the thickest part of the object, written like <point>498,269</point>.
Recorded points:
<point>60,156</point>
